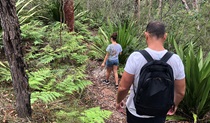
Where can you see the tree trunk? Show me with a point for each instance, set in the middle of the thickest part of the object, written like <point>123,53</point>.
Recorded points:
<point>88,4</point>
<point>186,6</point>
<point>160,7</point>
<point>137,10</point>
<point>69,14</point>
<point>171,3</point>
<point>150,9</point>
<point>196,5</point>
<point>13,51</point>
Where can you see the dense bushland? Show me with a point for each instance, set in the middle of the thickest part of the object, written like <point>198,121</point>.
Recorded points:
<point>57,59</point>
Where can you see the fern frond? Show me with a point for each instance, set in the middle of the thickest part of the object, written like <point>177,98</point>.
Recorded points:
<point>67,114</point>
<point>37,78</point>
<point>46,59</point>
<point>68,117</point>
<point>5,74</point>
<point>79,58</point>
<point>60,72</point>
<point>70,85</point>
<point>95,115</point>
<point>46,97</point>
<point>35,31</point>
<point>92,115</point>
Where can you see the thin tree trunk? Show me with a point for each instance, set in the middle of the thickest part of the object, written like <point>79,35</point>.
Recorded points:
<point>13,51</point>
<point>160,8</point>
<point>69,14</point>
<point>88,4</point>
<point>150,9</point>
<point>196,5</point>
<point>186,6</point>
<point>147,2</point>
<point>171,3</point>
<point>137,9</point>
<point>61,19</point>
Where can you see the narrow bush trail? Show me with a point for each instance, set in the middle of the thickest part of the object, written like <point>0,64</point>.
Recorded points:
<point>103,95</point>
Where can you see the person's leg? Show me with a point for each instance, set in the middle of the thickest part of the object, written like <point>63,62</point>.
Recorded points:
<point>108,71</point>
<point>115,74</point>
<point>115,68</point>
<point>109,66</point>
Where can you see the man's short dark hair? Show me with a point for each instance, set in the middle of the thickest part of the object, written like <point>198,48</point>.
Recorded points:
<point>156,28</point>
<point>114,36</point>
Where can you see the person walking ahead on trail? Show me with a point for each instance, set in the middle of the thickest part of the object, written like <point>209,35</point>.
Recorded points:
<point>111,59</point>
<point>155,36</point>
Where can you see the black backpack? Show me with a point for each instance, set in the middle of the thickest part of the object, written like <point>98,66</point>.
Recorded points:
<point>155,91</point>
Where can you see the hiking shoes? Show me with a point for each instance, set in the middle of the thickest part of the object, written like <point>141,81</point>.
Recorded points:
<point>106,82</point>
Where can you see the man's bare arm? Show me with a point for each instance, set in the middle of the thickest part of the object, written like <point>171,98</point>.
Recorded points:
<point>179,91</point>
<point>124,86</point>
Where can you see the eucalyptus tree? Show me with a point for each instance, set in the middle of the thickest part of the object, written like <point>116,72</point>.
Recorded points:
<point>69,14</point>
<point>13,50</point>
<point>137,9</point>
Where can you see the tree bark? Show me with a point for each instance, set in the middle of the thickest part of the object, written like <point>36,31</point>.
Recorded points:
<point>150,9</point>
<point>171,3</point>
<point>186,6</point>
<point>69,14</point>
<point>196,5</point>
<point>88,4</point>
<point>160,6</point>
<point>14,54</point>
<point>137,10</point>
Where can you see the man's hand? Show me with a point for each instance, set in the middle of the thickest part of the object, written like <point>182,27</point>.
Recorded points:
<point>119,107</point>
<point>172,110</point>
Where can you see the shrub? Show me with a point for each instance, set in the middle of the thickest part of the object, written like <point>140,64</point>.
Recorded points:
<point>127,38</point>
<point>24,12</point>
<point>195,104</point>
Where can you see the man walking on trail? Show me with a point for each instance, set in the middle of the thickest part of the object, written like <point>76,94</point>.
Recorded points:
<point>155,36</point>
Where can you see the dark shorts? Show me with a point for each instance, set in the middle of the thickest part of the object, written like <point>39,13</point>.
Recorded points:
<point>133,119</point>
<point>111,63</point>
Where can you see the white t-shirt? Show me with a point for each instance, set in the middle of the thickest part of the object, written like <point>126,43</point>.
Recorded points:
<point>134,64</point>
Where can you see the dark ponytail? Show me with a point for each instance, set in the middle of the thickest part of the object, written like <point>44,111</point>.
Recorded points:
<point>114,36</point>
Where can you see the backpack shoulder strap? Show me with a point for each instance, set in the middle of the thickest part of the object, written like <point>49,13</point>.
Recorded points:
<point>166,57</point>
<point>146,55</point>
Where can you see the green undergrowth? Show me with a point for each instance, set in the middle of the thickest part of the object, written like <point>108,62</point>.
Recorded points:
<point>56,67</point>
